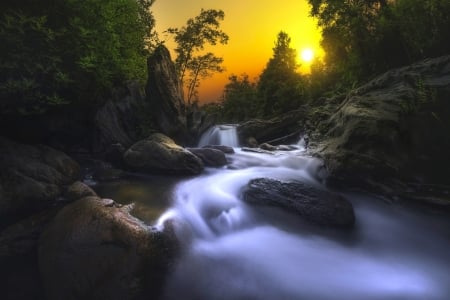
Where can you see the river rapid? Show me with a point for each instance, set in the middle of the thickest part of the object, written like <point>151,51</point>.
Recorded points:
<point>235,251</point>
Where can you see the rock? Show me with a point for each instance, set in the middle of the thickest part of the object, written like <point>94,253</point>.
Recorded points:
<point>18,256</point>
<point>114,154</point>
<point>223,148</point>
<point>271,130</point>
<point>158,153</point>
<point>251,142</point>
<point>257,150</point>
<point>94,249</point>
<point>118,120</point>
<point>210,157</point>
<point>268,147</point>
<point>31,178</point>
<point>78,190</point>
<point>165,94</point>
<point>312,204</point>
<point>394,127</point>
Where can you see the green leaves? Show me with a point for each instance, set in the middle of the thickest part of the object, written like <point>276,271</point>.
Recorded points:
<point>74,51</point>
<point>280,87</point>
<point>191,39</point>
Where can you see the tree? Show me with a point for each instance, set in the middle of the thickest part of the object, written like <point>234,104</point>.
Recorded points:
<point>74,51</point>
<point>191,40</point>
<point>362,38</point>
<point>280,87</point>
<point>239,99</point>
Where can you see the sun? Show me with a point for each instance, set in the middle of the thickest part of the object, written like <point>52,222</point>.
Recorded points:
<point>307,55</point>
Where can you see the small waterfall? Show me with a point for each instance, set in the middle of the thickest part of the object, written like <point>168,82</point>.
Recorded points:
<point>220,135</point>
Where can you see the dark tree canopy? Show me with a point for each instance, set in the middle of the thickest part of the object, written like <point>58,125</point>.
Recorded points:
<point>279,86</point>
<point>71,51</point>
<point>362,38</point>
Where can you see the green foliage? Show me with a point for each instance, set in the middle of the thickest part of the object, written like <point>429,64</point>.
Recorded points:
<point>73,51</point>
<point>280,87</point>
<point>191,40</point>
<point>240,99</point>
<point>362,38</point>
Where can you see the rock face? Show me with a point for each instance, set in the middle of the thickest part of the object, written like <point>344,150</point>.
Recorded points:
<point>31,178</point>
<point>118,120</point>
<point>165,94</point>
<point>94,249</point>
<point>272,131</point>
<point>159,154</point>
<point>312,204</point>
<point>395,126</point>
<point>210,157</point>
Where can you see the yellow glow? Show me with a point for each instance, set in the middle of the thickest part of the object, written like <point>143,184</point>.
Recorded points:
<point>307,55</point>
<point>252,27</point>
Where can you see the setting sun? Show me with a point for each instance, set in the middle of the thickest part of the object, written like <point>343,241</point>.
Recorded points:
<point>307,55</point>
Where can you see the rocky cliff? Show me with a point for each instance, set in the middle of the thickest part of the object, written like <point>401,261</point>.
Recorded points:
<point>395,127</point>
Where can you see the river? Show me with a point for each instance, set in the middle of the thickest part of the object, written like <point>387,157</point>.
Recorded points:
<point>235,251</point>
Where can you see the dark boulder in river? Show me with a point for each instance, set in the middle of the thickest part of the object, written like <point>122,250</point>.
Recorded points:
<point>31,178</point>
<point>210,157</point>
<point>94,249</point>
<point>159,154</point>
<point>312,204</point>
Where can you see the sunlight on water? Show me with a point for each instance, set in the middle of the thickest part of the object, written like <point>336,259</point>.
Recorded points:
<point>236,251</point>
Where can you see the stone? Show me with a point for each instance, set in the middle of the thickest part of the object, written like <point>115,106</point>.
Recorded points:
<point>118,120</point>
<point>310,203</point>
<point>159,154</point>
<point>31,178</point>
<point>94,249</point>
<point>267,131</point>
<point>223,148</point>
<point>165,94</point>
<point>395,127</point>
<point>78,190</point>
<point>210,157</point>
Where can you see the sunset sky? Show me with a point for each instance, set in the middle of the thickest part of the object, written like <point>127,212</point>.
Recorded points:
<point>252,27</point>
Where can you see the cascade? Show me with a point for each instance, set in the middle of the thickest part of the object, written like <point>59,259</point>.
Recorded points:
<point>220,135</point>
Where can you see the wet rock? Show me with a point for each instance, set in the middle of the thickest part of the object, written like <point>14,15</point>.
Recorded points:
<point>223,148</point>
<point>31,178</point>
<point>94,249</point>
<point>257,150</point>
<point>210,157</point>
<point>272,130</point>
<point>312,204</point>
<point>159,154</point>
<point>270,147</point>
<point>78,190</point>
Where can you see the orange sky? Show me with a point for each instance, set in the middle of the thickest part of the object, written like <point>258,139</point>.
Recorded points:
<point>252,26</point>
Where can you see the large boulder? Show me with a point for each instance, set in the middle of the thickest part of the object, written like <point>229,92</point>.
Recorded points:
<point>94,249</point>
<point>394,127</point>
<point>210,157</point>
<point>31,178</point>
<point>118,121</point>
<point>279,130</point>
<point>165,94</point>
<point>159,154</point>
<point>311,204</point>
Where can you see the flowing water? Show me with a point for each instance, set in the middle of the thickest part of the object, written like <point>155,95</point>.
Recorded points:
<point>236,251</point>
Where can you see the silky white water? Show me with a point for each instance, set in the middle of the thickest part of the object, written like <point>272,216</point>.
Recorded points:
<point>236,251</point>
<point>220,135</point>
